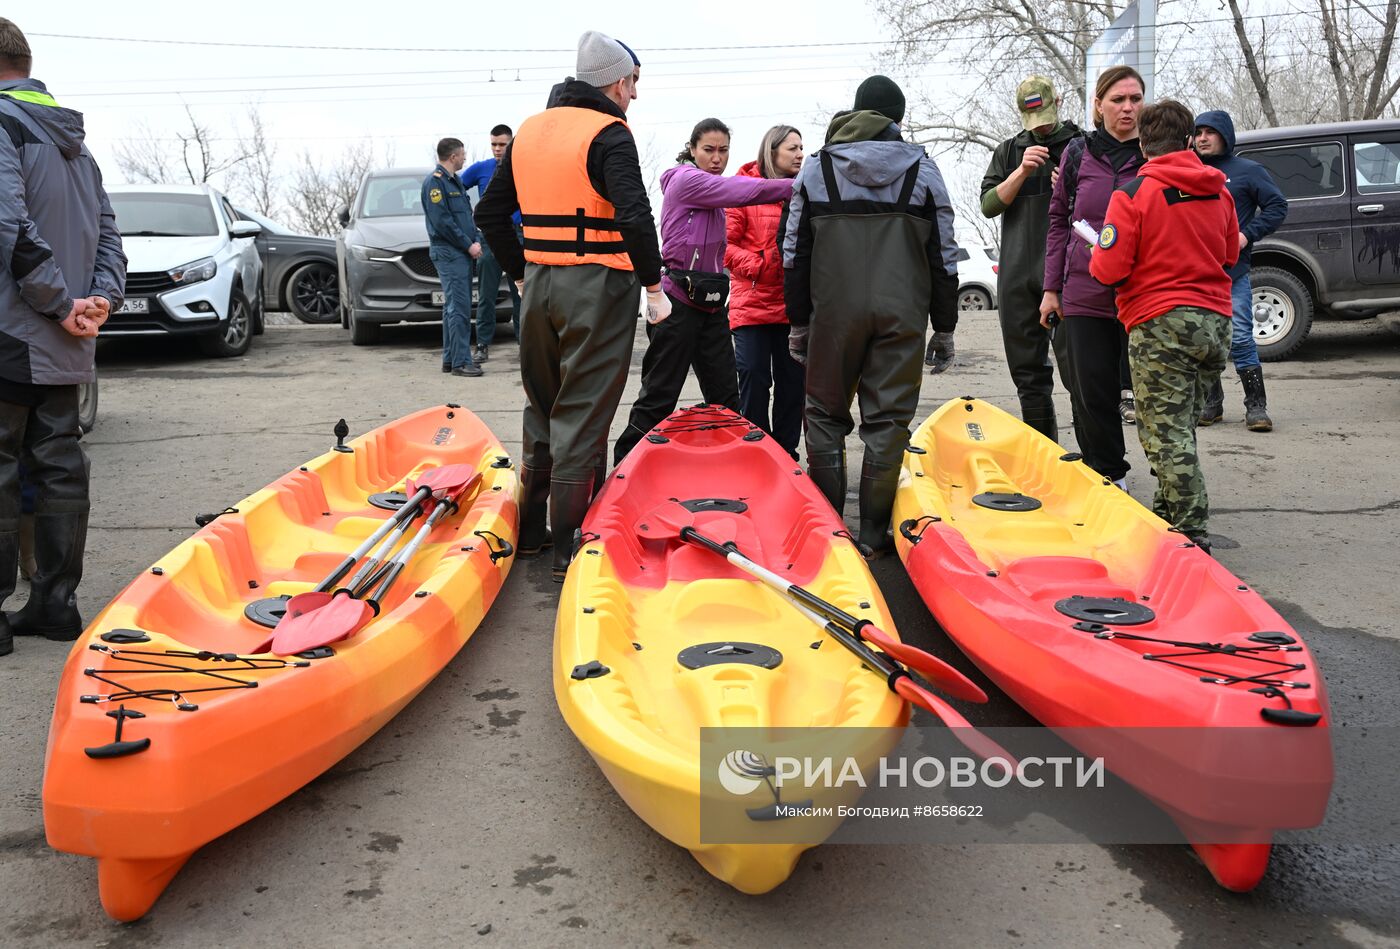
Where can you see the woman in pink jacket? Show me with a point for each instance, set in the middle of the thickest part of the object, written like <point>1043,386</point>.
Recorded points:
<point>696,334</point>
<point>757,316</point>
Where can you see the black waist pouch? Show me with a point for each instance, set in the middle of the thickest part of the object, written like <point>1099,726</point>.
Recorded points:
<point>704,289</point>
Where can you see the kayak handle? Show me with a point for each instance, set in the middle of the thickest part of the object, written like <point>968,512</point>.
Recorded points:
<point>505,550</point>
<point>906,528</point>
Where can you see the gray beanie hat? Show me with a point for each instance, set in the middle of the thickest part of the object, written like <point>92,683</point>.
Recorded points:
<point>602,60</point>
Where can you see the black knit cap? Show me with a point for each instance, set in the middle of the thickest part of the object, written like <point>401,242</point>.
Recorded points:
<point>881,94</point>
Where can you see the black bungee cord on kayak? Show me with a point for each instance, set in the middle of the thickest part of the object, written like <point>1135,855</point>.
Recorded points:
<point>160,662</point>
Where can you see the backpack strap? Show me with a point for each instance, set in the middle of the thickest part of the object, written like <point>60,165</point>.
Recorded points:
<point>833,193</point>
<point>906,193</point>
<point>1074,152</point>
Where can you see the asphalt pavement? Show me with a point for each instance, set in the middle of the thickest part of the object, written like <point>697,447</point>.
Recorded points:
<point>475,818</point>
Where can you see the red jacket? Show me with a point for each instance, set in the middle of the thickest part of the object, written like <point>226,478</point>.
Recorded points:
<point>1168,238</point>
<point>754,263</point>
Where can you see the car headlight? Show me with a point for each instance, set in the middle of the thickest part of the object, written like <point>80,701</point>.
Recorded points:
<point>195,272</point>
<point>365,252</point>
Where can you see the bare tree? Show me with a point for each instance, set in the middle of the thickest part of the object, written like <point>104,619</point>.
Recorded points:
<point>194,155</point>
<point>1359,43</point>
<point>319,189</point>
<point>256,181</point>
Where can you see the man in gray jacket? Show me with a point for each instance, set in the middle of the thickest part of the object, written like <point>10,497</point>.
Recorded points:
<point>869,258</point>
<point>62,271</point>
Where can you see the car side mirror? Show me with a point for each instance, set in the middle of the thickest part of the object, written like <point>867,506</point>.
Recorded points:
<point>342,214</point>
<point>244,229</point>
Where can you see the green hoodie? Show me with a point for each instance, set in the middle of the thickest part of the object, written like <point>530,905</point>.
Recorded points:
<point>860,127</point>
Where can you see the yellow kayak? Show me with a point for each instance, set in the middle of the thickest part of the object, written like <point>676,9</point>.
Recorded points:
<point>657,640</point>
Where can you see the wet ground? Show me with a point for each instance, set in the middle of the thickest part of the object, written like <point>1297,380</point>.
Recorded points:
<point>476,818</point>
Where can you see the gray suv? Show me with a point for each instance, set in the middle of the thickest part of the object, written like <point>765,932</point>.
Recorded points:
<point>1338,253</point>
<point>382,258</point>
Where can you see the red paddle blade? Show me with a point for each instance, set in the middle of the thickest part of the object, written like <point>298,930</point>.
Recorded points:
<point>665,521</point>
<point>303,629</point>
<point>929,666</point>
<point>976,742</point>
<point>449,479</point>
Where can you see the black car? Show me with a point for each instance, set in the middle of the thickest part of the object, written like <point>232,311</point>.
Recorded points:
<point>299,272</point>
<point>1336,254</point>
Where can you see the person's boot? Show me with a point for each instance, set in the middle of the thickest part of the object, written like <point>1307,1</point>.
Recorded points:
<point>1256,409</point>
<point>1215,404</point>
<point>534,508</point>
<point>9,563</point>
<point>568,503</point>
<point>828,472</point>
<point>52,608</point>
<point>26,546</point>
<point>600,471</point>
<point>1044,424</point>
<point>877,487</point>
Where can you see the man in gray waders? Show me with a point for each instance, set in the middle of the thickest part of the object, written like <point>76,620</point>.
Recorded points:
<point>573,173</point>
<point>869,259</point>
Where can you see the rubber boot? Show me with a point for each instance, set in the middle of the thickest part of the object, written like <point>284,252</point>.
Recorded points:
<point>877,487</point>
<point>1215,404</point>
<point>1045,425</point>
<point>52,608</point>
<point>534,508</point>
<point>828,472</point>
<point>568,503</point>
<point>600,472</point>
<point>1256,409</point>
<point>26,546</point>
<point>9,563</point>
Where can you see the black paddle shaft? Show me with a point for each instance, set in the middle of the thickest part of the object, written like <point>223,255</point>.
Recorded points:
<point>828,609</point>
<point>876,661</point>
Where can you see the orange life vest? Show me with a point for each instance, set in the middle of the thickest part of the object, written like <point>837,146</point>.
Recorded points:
<point>565,220</point>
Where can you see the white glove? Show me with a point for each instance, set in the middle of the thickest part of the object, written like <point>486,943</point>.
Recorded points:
<point>520,287</point>
<point>658,306</point>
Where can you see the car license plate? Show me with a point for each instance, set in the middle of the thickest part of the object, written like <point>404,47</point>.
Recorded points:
<point>439,298</point>
<point>135,305</point>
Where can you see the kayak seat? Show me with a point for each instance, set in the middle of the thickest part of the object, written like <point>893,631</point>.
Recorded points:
<point>1056,577</point>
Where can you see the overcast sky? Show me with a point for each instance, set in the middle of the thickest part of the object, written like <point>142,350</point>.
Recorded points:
<point>328,100</point>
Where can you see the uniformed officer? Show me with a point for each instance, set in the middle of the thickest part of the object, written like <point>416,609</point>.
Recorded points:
<point>573,173</point>
<point>453,245</point>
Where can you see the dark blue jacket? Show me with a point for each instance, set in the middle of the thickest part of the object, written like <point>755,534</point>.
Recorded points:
<point>448,211</point>
<point>1259,204</point>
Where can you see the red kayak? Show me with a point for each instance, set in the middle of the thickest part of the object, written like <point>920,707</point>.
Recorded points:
<point>1133,643</point>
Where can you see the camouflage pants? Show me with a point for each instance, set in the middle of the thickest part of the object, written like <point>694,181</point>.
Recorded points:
<point>1174,358</point>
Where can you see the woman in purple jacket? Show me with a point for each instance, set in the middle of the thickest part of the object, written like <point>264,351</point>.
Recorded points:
<point>1090,170</point>
<point>692,248</point>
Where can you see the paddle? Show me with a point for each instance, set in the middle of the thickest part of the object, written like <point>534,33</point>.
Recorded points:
<point>434,482</point>
<point>673,519</point>
<point>906,688</point>
<point>318,618</point>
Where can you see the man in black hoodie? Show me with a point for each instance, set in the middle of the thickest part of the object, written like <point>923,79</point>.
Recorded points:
<point>869,258</point>
<point>573,173</point>
<point>1261,208</point>
<point>62,271</point>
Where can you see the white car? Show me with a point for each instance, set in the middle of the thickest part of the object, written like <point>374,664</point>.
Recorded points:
<point>192,267</point>
<point>977,279</point>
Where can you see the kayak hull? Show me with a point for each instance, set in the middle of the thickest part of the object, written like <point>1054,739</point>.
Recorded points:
<point>228,730</point>
<point>1088,612</point>
<point>634,604</point>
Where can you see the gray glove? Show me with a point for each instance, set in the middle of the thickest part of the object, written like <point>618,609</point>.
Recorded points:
<point>797,344</point>
<point>940,353</point>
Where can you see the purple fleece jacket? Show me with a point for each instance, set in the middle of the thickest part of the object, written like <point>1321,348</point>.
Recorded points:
<point>692,217</point>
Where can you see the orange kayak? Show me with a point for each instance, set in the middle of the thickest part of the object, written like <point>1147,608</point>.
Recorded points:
<point>171,728</point>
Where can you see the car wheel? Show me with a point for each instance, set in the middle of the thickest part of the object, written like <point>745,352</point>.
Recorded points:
<point>313,293</point>
<point>87,405</point>
<point>1283,312</point>
<point>974,298</point>
<point>362,333</point>
<point>235,334</point>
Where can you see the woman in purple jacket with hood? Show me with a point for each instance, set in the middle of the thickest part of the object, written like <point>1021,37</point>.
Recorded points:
<point>694,196</point>
<point>1091,169</point>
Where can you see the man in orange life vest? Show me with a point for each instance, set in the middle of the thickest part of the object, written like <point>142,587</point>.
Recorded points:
<point>573,173</point>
